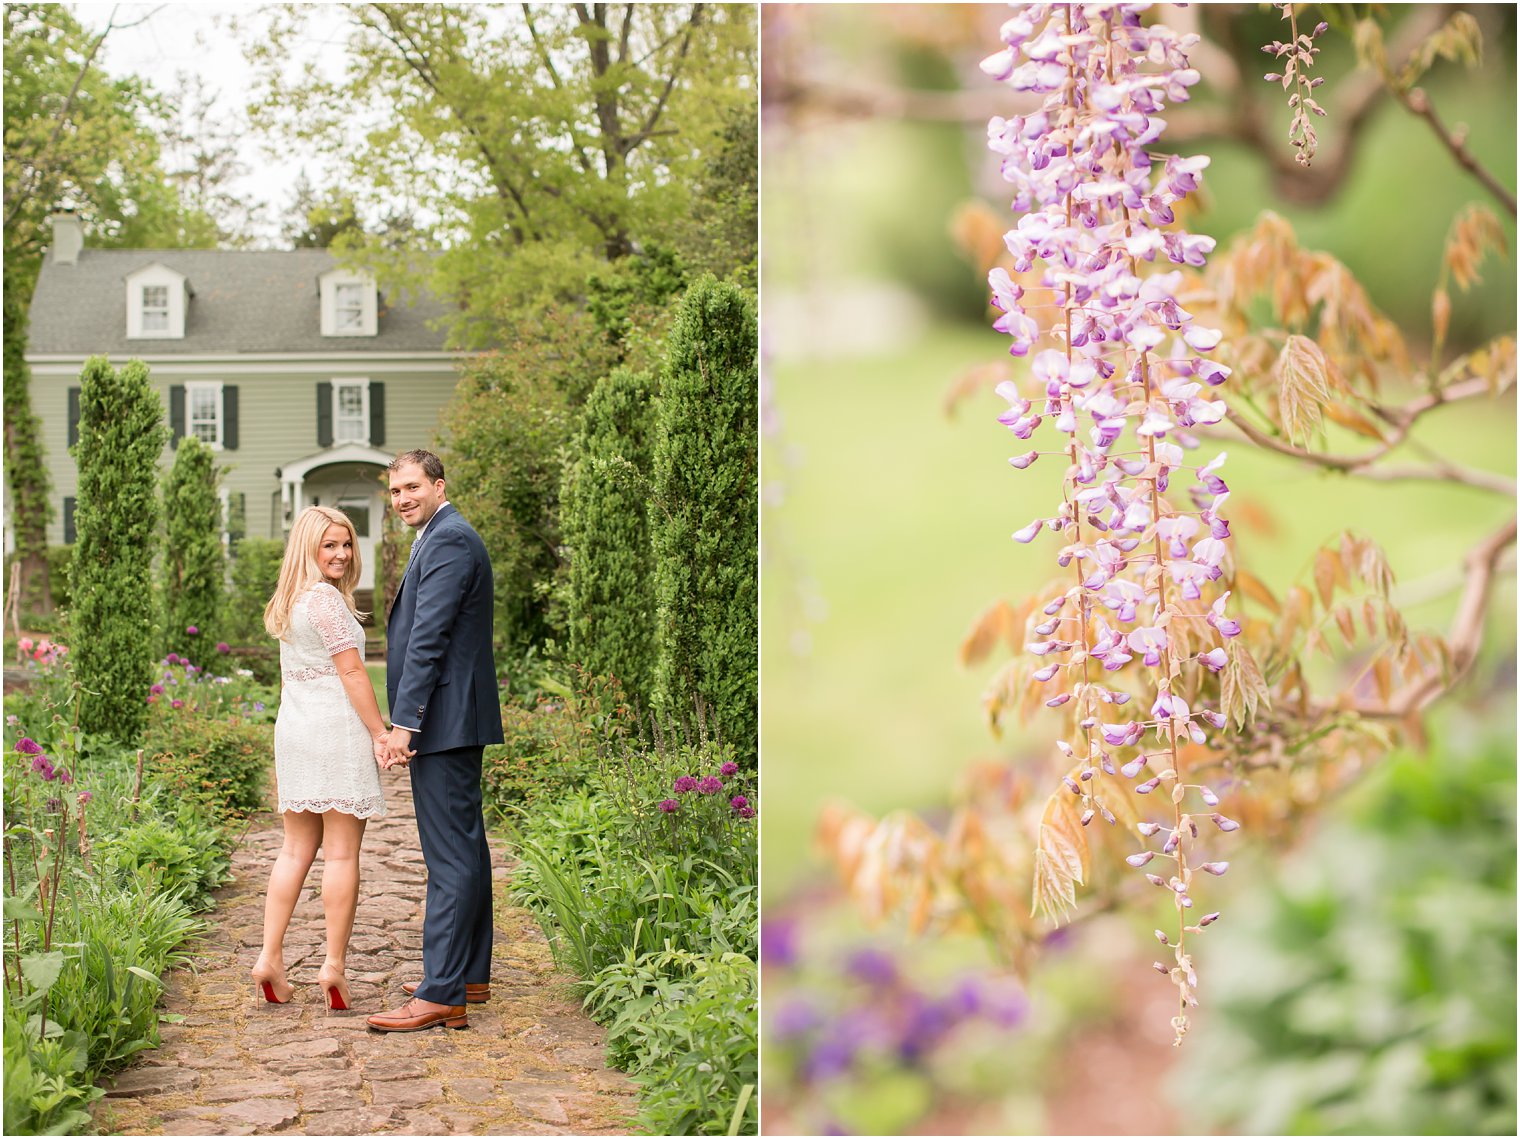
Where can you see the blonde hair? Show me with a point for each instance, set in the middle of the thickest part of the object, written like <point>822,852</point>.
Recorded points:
<point>299,570</point>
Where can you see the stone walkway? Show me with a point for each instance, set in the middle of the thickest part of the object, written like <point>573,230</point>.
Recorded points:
<point>531,1062</point>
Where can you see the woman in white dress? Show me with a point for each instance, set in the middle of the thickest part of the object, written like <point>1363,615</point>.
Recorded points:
<point>328,744</point>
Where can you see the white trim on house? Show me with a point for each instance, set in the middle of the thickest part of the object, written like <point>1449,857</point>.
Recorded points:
<point>292,476</point>
<point>251,364</point>
<point>349,303</point>
<point>217,420</point>
<point>168,291</point>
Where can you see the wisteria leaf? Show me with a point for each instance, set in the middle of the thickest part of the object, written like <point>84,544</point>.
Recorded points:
<point>1254,588</point>
<point>1352,420</point>
<point>1061,858</point>
<point>1303,375</point>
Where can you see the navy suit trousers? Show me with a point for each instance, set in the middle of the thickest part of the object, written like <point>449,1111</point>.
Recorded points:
<point>457,927</point>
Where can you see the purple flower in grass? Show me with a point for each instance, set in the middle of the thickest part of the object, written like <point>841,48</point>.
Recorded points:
<point>669,806</point>
<point>709,785</point>
<point>192,631</point>
<point>793,1019</point>
<point>258,705</point>
<point>738,802</point>
<point>728,769</point>
<point>28,746</point>
<point>65,775</point>
<point>85,797</point>
<point>176,704</point>
<point>223,647</point>
<point>873,966</point>
<point>684,784</point>
<point>746,812</point>
<point>157,690</point>
<point>779,942</point>
<point>43,766</point>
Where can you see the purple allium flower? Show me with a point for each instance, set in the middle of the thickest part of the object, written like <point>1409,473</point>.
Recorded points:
<point>192,631</point>
<point>28,746</point>
<point>176,704</point>
<point>746,812</point>
<point>42,766</point>
<point>728,769</point>
<point>709,785</point>
<point>683,784</point>
<point>738,801</point>
<point>779,939</point>
<point>172,658</point>
<point>65,775</point>
<point>669,805</point>
<point>85,797</point>
<point>223,647</point>
<point>157,690</point>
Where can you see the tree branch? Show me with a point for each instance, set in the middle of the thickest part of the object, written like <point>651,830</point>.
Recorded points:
<point>647,130</point>
<point>1419,103</point>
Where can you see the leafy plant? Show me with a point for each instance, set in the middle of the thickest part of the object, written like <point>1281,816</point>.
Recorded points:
<point>222,764</point>
<point>121,435</point>
<point>255,573</point>
<point>194,564</point>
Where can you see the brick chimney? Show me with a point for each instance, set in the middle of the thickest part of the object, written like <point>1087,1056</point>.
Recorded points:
<point>68,237</point>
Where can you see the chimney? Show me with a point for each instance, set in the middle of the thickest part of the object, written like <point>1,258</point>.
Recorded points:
<point>68,237</point>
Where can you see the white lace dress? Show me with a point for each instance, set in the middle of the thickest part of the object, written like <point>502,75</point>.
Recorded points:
<point>323,757</point>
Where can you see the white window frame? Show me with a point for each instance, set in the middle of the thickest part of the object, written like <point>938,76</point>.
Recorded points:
<point>214,386</point>
<point>154,276</point>
<point>154,310</point>
<point>327,287</point>
<point>338,384</point>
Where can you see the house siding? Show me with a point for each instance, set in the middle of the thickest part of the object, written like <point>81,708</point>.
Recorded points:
<point>277,421</point>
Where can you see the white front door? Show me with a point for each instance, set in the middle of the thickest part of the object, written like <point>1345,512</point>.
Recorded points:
<point>364,512</point>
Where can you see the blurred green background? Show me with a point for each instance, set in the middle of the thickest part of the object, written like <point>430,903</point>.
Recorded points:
<point>886,530</point>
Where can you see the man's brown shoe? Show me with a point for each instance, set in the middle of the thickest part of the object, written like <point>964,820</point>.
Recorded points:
<point>414,1017</point>
<point>473,994</point>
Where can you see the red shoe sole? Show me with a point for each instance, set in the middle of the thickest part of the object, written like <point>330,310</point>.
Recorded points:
<point>335,1001</point>
<point>269,993</point>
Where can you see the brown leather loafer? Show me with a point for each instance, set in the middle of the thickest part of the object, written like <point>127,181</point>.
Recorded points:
<point>473,994</point>
<point>409,1018</point>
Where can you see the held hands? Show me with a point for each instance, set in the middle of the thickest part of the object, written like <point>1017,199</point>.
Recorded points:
<point>393,748</point>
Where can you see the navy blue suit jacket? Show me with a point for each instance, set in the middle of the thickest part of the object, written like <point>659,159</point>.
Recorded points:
<point>439,672</point>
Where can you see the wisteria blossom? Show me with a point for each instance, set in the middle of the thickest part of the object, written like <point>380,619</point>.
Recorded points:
<point>1120,375</point>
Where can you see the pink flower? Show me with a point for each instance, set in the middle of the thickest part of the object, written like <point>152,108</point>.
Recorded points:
<point>25,644</point>
<point>729,769</point>
<point>28,746</point>
<point>669,806</point>
<point>683,784</point>
<point>223,647</point>
<point>85,797</point>
<point>176,704</point>
<point>709,785</point>
<point>192,631</point>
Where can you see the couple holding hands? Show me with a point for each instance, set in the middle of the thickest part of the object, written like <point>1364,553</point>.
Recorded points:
<point>330,741</point>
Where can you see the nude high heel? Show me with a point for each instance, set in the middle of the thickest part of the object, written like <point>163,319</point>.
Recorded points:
<point>335,987</point>
<point>275,988</point>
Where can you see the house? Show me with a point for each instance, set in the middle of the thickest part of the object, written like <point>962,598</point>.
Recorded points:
<point>302,375</point>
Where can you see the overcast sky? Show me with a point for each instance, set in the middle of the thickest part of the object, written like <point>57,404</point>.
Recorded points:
<point>198,39</point>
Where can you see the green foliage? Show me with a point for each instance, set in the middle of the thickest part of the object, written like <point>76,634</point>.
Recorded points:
<point>25,461</point>
<point>255,573</point>
<point>46,1089</point>
<point>501,440</point>
<point>194,564</point>
<point>604,500</point>
<point>223,764</point>
<point>60,562</point>
<point>617,295</point>
<point>705,525</point>
<point>121,435</point>
<point>1371,988</point>
<point>721,236</point>
<point>180,856</point>
<point>684,1025</point>
<point>579,133</point>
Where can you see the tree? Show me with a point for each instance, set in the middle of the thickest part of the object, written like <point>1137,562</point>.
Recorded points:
<point>194,564</point>
<point>73,137</point>
<point>121,436</point>
<point>604,500</point>
<point>573,134</point>
<point>705,529</point>
<point>501,439</point>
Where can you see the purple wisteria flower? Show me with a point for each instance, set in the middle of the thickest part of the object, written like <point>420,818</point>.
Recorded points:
<point>683,784</point>
<point>709,785</point>
<point>1119,376</point>
<point>669,806</point>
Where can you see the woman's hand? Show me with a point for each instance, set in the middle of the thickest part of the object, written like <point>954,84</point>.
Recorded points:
<point>380,742</point>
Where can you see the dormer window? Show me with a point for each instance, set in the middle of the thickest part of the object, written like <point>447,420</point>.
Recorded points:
<point>155,308</point>
<point>349,303</point>
<point>156,303</point>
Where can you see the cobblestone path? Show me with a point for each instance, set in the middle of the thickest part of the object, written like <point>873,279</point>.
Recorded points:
<point>531,1062</point>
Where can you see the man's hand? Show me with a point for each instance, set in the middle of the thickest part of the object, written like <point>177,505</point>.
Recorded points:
<point>398,747</point>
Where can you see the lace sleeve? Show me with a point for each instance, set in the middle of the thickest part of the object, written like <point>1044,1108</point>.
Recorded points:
<point>330,618</point>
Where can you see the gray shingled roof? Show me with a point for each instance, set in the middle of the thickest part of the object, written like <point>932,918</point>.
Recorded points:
<point>242,302</point>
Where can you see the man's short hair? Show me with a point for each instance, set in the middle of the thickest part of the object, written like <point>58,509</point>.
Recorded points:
<point>431,464</point>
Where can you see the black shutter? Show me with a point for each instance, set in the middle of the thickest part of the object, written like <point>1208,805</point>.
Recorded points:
<point>229,417</point>
<point>177,411</point>
<point>68,521</point>
<point>324,414</point>
<point>73,416</point>
<point>376,414</point>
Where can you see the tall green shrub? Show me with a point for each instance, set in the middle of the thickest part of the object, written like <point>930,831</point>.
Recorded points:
<point>195,565</point>
<point>705,531</point>
<point>121,436</point>
<point>255,573</point>
<point>604,500</point>
<point>25,463</point>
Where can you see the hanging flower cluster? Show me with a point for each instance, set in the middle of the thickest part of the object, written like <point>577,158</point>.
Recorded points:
<point>1121,373</point>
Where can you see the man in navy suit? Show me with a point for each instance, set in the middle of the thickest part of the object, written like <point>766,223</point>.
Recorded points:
<point>441,680</point>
